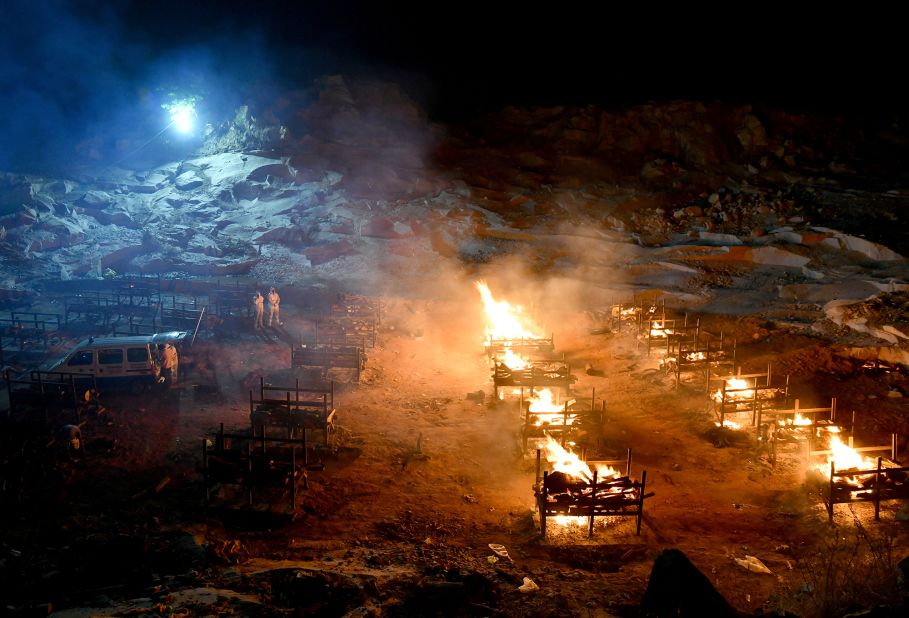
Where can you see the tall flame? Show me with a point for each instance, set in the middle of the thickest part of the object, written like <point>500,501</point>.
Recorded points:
<point>547,410</point>
<point>565,461</point>
<point>845,457</point>
<point>505,321</point>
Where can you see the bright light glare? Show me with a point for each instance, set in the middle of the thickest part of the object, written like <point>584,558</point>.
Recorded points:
<point>181,117</point>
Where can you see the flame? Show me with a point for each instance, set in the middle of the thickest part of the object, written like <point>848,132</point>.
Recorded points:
<point>547,410</point>
<point>797,421</point>
<point>544,401</point>
<point>657,330</point>
<point>740,390</point>
<point>565,461</point>
<point>845,457</point>
<point>695,356</point>
<point>505,321</point>
<point>727,424</point>
<point>513,361</point>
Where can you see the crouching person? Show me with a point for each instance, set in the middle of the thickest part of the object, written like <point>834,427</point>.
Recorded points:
<point>69,442</point>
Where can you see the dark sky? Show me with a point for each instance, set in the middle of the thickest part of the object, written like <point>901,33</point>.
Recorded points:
<point>77,73</point>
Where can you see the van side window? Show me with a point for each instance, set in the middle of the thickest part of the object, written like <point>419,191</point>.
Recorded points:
<point>110,356</point>
<point>86,357</point>
<point>136,355</point>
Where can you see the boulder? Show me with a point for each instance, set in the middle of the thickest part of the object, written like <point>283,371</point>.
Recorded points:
<point>751,133</point>
<point>189,181</point>
<point>822,293</point>
<point>320,254</point>
<point>200,243</point>
<point>866,248</point>
<point>122,256</point>
<point>271,172</point>
<point>246,190</point>
<point>95,200</point>
<point>343,225</point>
<point>714,238</point>
<point>384,227</point>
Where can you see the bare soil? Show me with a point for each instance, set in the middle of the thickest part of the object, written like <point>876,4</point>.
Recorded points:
<point>420,479</point>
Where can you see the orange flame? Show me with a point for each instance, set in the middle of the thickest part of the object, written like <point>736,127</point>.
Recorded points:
<point>512,360</point>
<point>739,388</point>
<point>547,410</point>
<point>797,421</point>
<point>658,330</point>
<point>565,461</point>
<point>503,320</point>
<point>845,457</point>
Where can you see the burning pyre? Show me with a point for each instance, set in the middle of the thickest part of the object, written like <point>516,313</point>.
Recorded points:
<point>570,464</point>
<point>736,389</point>
<point>547,411</point>
<point>843,457</point>
<point>505,321</point>
<point>573,491</point>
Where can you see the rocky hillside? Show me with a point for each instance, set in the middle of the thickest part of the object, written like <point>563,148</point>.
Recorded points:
<point>712,204</point>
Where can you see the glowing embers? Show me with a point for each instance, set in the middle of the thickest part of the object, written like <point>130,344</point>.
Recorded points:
<point>796,421</point>
<point>735,389</point>
<point>747,393</point>
<point>575,489</point>
<point>508,329</point>
<point>668,334</point>
<point>532,374</point>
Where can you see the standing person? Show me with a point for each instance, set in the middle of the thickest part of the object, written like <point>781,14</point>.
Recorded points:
<point>274,307</point>
<point>171,351</point>
<point>168,364</point>
<point>259,308</point>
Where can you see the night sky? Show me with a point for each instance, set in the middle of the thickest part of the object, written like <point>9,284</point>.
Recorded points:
<point>74,70</point>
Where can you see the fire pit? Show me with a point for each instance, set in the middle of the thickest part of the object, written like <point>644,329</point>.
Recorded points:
<point>577,489</point>
<point>357,306</point>
<point>545,416</point>
<point>293,408</point>
<point>532,374</point>
<point>234,461</point>
<point>784,426</point>
<point>509,331</point>
<point>667,333</point>
<point>746,392</point>
<point>705,352</point>
<point>855,477</point>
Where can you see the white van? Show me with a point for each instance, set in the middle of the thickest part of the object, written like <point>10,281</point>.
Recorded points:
<point>117,362</point>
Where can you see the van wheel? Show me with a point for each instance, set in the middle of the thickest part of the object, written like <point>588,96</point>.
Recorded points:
<point>137,387</point>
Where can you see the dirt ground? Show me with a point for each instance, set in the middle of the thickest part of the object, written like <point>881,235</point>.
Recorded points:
<point>421,479</point>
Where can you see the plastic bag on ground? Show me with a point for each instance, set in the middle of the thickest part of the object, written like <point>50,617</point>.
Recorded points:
<point>528,585</point>
<point>753,564</point>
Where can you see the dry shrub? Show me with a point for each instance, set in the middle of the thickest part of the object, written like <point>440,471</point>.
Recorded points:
<point>848,569</point>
